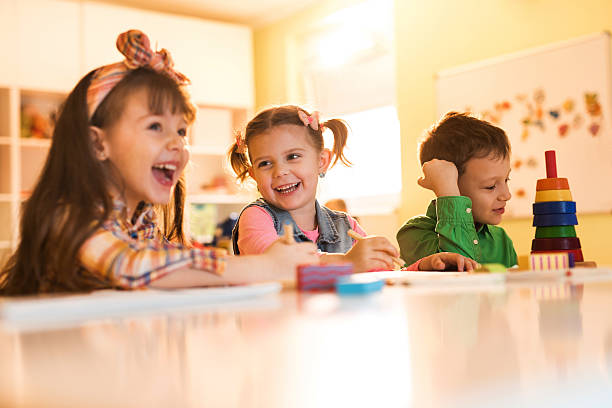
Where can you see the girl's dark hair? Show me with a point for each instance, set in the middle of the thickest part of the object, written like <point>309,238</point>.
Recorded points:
<point>286,115</point>
<point>458,137</point>
<point>71,198</point>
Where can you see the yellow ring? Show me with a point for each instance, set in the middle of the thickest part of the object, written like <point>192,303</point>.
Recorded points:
<point>553,195</point>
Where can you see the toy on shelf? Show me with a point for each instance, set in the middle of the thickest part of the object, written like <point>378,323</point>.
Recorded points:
<point>554,216</point>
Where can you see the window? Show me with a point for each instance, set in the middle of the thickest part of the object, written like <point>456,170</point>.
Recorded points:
<point>348,71</point>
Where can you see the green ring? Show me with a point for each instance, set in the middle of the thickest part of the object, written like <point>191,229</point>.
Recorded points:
<point>558,231</point>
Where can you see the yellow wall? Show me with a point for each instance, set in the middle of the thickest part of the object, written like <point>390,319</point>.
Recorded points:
<point>434,35</point>
<point>438,34</point>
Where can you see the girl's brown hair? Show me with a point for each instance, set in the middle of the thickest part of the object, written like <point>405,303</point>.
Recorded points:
<point>285,115</point>
<point>71,198</point>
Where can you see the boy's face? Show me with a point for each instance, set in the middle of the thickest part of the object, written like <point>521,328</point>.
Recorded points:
<point>485,182</point>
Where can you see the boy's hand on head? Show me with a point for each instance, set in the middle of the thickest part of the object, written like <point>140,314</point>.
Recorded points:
<point>447,260</point>
<point>372,253</point>
<point>441,177</point>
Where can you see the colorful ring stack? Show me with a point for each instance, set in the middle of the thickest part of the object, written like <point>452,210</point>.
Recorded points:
<point>554,214</point>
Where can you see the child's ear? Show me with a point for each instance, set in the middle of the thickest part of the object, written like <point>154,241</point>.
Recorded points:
<point>98,141</point>
<point>324,160</point>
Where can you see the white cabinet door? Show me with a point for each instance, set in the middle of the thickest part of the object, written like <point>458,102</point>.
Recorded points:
<point>48,44</point>
<point>217,57</point>
<point>101,25</point>
<point>8,33</point>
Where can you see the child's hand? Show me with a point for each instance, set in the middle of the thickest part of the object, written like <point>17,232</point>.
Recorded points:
<point>446,260</point>
<point>441,177</point>
<point>372,253</point>
<point>285,254</point>
<point>285,258</point>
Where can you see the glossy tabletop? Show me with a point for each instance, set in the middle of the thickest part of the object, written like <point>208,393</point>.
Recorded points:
<point>523,344</point>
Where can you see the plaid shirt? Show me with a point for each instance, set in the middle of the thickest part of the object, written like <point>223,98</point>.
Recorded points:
<point>135,254</point>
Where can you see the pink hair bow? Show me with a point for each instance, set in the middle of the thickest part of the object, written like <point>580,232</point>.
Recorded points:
<point>135,46</point>
<point>310,120</point>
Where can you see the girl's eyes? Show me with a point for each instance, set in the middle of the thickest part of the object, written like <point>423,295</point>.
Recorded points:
<point>293,156</point>
<point>263,163</point>
<point>156,126</point>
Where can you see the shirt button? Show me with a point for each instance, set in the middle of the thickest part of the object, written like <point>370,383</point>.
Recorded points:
<point>475,242</point>
<point>468,210</point>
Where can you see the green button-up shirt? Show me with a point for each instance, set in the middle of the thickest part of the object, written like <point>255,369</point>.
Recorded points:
<point>449,226</point>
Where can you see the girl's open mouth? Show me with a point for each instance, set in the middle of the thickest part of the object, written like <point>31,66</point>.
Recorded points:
<point>164,173</point>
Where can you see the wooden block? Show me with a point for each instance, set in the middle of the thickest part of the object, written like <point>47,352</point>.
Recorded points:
<point>586,264</point>
<point>321,277</point>
<point>549,220</point>
<point>556,231</point>
<point>553,195</point>
<point>552,184</point>
<point>554,207</point>
<point>491,268</point>
<point>555,244</point>
<point>551,163</point>
<point>549,260</point>
<point>523,262</point>
<point>576,252</point>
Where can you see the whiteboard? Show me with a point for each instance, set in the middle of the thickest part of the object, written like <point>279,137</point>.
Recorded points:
<point>555,97</point>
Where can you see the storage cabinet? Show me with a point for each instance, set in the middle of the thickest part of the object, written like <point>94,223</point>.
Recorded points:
<point>217,57</point>
<point>50,44</point>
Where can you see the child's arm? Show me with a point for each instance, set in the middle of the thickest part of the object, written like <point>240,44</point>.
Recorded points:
<point>452,228</point>
<point>278,262</point>
<point>255,231</point>
<point>449,229</point>
<point>132,264</point>
<point>368,253</point>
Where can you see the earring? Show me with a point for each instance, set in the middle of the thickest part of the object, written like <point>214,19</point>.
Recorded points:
<point>322,174</point>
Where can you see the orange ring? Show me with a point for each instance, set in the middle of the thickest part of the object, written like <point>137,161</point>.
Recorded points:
<point>552,184</point>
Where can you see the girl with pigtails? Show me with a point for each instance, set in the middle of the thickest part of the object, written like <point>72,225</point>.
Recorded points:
<point>282,149</point>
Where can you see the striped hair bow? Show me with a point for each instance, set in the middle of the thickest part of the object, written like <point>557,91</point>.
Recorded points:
<point>135,46</point>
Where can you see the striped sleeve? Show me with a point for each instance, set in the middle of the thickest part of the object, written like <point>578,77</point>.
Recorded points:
<point>133,263</point>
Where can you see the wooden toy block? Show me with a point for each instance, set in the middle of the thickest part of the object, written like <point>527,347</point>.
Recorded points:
<point>577,253</point>
<point>551,164</point>
<point>554,244</point>
<point>491,268</point>
<point>556,231</point>
<point>552,184</point>
<point>549,260</point>
<point>358,284</point>
<point>554,207</point>
<point>549,220</point>
<point>321,277</point>
<point>553,195</point>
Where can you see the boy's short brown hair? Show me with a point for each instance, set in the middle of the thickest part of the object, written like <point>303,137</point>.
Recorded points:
<point>458,137</point>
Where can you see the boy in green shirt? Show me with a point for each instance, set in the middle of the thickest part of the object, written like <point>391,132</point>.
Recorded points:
<point>466,163</point>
